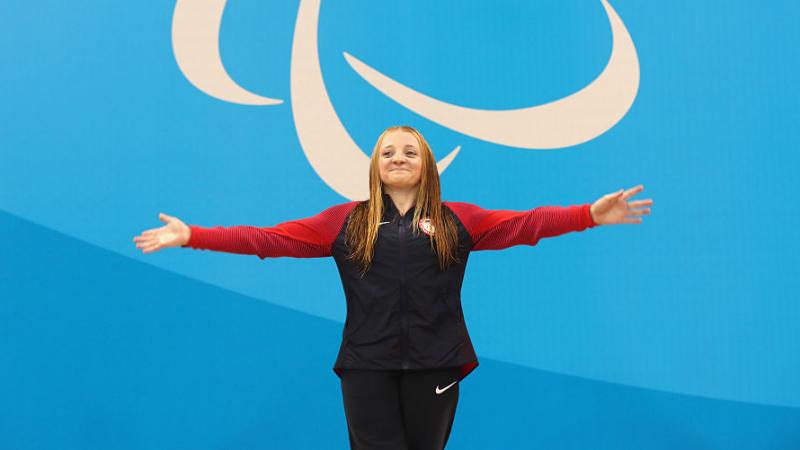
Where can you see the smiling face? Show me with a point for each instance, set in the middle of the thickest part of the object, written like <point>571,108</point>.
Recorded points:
<point>400,160</point>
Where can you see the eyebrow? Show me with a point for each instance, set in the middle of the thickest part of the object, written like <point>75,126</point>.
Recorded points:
<point>407,146</point>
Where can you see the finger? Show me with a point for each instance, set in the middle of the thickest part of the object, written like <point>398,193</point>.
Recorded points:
<point>627,220</point>
<point>151,248</point>
<point>633,191</point>
<point>614,196</point>
<point>164,218</point>
<point>147,243</point>
<point>148,233</point>
<point>638,212</point>
<point>638,203</point>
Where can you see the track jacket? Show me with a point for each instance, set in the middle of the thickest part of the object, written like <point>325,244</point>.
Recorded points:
<point>405,313</point>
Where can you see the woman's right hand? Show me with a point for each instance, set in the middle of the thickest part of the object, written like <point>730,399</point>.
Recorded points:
<point>174,234</point>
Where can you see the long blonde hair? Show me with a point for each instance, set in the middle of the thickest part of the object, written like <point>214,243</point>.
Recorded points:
<point>362,228</point>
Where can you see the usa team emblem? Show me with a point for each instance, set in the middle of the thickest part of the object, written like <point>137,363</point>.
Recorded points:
<point>426,227</point>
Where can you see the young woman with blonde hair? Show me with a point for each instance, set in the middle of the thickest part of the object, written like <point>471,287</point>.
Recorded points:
<point>401,256</point>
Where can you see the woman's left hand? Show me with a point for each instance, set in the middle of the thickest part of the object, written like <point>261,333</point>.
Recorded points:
<point>614,208</point>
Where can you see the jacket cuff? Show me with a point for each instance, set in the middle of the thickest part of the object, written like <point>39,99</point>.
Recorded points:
<point>194,238</point>
<point>588,222</point>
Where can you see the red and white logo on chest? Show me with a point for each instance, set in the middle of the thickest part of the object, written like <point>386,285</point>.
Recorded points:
<point>426,227</point>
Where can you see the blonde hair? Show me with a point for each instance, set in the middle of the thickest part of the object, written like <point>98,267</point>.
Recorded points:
<point>362,228</point>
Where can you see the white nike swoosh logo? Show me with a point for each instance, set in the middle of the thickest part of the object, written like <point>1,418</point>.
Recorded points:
<point>439,391</point>
<point>382,223</point>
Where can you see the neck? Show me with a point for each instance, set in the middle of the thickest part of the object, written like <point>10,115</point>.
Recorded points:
<point>403,198</point>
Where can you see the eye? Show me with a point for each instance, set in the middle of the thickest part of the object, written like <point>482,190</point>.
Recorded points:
<point>411,154</point>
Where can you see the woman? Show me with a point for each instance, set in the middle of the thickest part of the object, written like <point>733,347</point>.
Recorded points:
<point>401,255</point>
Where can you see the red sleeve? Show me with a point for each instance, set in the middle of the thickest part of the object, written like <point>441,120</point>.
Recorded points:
<point>498,229</point>
<point>311,237</point>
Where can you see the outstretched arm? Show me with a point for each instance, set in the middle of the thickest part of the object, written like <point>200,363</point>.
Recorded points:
<point>499,229</point>
<point>311,237</point>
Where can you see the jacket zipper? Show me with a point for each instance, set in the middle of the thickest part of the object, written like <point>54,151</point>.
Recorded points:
<point>403,305</point>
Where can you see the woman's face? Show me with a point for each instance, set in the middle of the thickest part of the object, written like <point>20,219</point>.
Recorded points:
<point>399,160</point>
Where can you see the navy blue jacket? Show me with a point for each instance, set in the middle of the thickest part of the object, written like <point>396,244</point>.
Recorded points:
<point>404,313</point>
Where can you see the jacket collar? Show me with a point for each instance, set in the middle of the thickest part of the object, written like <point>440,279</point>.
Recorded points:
<point>390,210</point>
<point>388,204</point>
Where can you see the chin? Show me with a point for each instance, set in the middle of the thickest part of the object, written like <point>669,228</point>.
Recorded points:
<point>399,184</point>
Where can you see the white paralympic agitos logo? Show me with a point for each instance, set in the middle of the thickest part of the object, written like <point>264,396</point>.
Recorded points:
<point>330,150</point>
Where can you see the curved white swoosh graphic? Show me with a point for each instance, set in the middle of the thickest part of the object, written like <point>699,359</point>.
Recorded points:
<point>195,41</point>
<point>328,147</point>
<point>569,121</point>
<point>439,391</point>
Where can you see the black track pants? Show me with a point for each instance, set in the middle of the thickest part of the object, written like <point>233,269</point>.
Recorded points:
<point>399,409</point>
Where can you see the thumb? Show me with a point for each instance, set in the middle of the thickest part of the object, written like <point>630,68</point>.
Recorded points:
<point>614,195</point>
<point>163,217</point>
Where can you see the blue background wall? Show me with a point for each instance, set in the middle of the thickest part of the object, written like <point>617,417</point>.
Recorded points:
<point>680,332</point>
